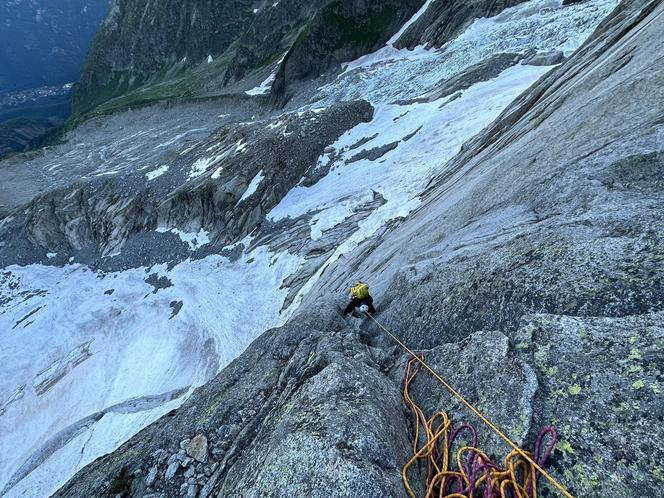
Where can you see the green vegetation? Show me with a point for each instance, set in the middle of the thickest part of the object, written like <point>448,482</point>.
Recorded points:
<point>358,31</point>
<point>179,81</point>
<point>172,82</point>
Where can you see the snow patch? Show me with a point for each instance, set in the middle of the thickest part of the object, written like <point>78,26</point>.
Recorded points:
<point>157,172</point>
<point>241,146</point>
<point>266,85</point>
<point>205,163</point>
<point>253,186</point>
<point>194,240</point>
<point>410,22</point>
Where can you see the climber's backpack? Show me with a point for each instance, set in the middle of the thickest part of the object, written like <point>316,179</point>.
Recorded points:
<point>360,290</point>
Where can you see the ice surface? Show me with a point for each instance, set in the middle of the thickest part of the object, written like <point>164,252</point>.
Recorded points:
<point>390,74</point>
<point>75,343</point>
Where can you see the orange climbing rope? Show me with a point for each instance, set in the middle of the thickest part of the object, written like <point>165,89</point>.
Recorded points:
<point>518,462</point>
<point>474,471</point>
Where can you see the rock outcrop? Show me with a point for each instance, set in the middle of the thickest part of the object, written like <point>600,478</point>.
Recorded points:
<point>207,188</point>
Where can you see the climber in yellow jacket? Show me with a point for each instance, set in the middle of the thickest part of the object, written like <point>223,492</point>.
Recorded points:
<point>360,299</point>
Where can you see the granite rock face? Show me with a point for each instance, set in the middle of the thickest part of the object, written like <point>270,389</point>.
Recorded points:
<point>601,385</point>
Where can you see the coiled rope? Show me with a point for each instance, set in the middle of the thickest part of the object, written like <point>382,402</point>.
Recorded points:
<point>474,470</point>
<point>439,426</point>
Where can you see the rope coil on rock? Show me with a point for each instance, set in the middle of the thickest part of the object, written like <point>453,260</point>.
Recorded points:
<point>517,462</point>
<point>474,470</point>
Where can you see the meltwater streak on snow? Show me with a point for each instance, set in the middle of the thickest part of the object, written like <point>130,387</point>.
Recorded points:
<point>390,74</point>
<point>132,347</point>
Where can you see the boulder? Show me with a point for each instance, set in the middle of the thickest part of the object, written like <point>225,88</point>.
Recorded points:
<point>197,448</point>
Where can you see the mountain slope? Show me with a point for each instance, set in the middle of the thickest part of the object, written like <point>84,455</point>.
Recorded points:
<point>156,51</point>
<point>489,236</point>
<point>490,198</point>
<point>298,397</point>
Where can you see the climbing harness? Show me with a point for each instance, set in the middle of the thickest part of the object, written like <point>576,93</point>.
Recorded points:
<point>503,481</point>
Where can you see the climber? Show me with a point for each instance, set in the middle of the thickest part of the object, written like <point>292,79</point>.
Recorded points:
<point>360,299</point>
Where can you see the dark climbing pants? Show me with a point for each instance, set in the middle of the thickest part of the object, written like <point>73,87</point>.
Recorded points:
<point>356,303</point>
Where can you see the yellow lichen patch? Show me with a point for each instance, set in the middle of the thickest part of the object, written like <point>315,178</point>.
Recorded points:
<point>634,354</point>
<point>542,354</point>
<point>658,473</point>
<point>655,387</point>
<point>639,384</point>
<point>575,389</point>
<point>634,369</point>
<point>585,481</point>
<point>565,448</point>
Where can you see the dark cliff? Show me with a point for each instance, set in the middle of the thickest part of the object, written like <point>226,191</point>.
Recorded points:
<point>152,51</point>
